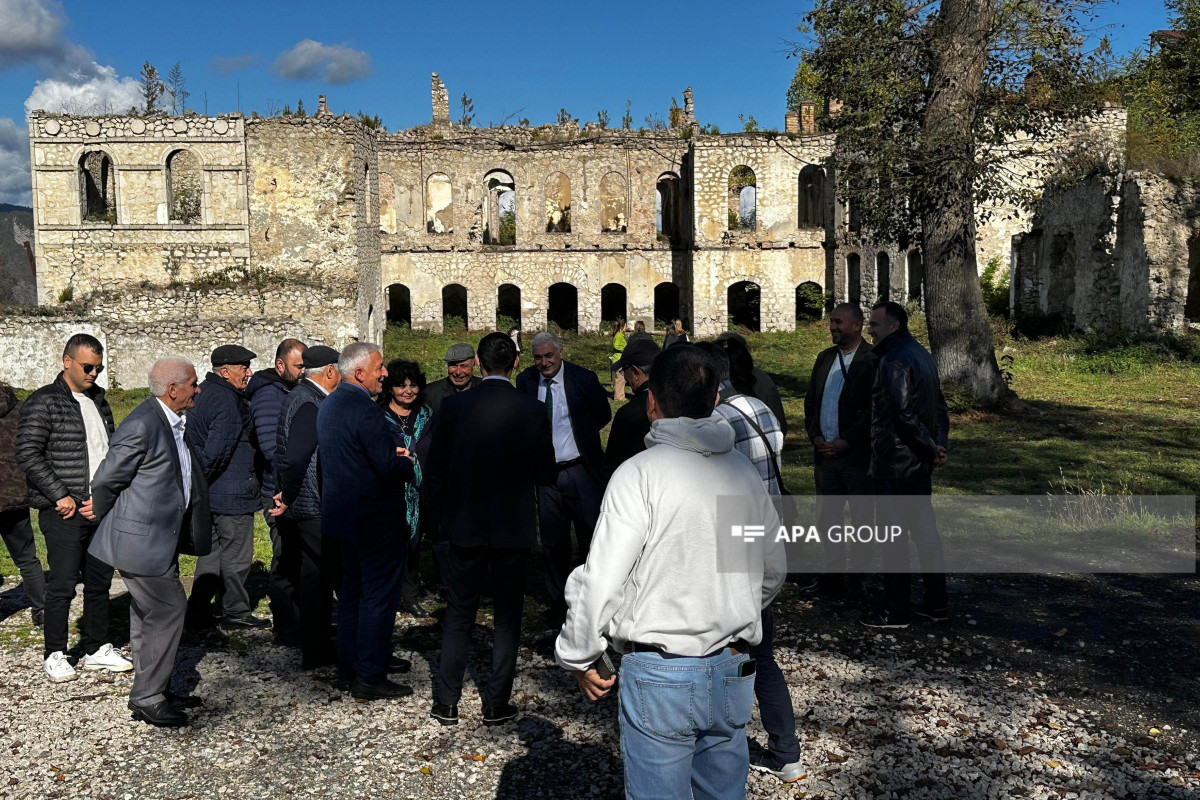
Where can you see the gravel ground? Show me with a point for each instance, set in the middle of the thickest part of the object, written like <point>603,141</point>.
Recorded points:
<point>1039,688</point>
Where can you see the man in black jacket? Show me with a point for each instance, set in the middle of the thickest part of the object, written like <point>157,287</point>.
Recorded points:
<point>490,447</point>
<point>220,432</point>
<point>630,424</point>
<point>15,527</point>
<point>837,417</point>
<point>577,407</point>
<point>909,430</point>
<point>62,436</point>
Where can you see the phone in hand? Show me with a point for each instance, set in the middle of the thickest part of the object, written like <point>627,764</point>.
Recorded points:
<point>604,667</point>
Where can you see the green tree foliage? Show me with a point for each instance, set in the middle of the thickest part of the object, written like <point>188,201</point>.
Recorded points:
<point>804,86</point>
<point>152,88</point>
<point>467,110</point>
<point>934,93</point>
<point>602,118</point>
<point>627,117</point>
<point>372,122</point>
<point>749,124</point>
<point>300,112</point>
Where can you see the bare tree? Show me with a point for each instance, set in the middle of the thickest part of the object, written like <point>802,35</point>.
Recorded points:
<point>176,84</point>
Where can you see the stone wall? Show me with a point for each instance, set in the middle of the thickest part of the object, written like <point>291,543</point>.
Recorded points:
<point>31,348</point>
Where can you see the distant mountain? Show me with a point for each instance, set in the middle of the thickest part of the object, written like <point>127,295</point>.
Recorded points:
<point>17,284</point>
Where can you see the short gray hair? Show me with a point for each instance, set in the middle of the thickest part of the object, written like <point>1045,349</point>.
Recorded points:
<point>313,371</point>
<point>546,337</point>
<point>168,370</point>
<point>355,355</point>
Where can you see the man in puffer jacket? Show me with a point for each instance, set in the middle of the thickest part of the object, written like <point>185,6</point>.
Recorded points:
<point>220,433</point>
<point>62,436</point>
<point>266,392</point>
<point>15,528</point>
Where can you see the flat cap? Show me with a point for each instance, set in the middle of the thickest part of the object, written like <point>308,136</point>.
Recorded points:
<point>638,353</point>
<point>318,356</point>
<point>231,354</point>
<point>459,352</point>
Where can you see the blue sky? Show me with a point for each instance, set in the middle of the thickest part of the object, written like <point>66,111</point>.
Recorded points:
<point>528,59</point>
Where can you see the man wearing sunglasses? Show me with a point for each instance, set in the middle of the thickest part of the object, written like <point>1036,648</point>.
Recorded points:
<point>62,436</point>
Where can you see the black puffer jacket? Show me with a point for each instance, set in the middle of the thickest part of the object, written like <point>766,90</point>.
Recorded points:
<point>52,443</point>
<point>13,492</point>
<point>909,419</point>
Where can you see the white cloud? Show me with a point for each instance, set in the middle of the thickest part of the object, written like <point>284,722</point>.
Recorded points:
<point>230,64</point>
<point>95,89</point>
<point>14,163</point>
<point>310,60</point>
<point>30,30</point>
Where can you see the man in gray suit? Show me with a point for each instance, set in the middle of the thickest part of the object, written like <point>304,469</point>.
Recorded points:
<point>151,498</point>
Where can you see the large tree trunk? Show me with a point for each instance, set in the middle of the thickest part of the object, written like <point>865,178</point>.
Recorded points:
<point>959,334</point>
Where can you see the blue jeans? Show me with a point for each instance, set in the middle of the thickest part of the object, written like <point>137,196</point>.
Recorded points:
<point>683,726</point>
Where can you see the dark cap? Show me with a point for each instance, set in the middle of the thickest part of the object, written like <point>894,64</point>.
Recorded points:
<point>731,335</point>
<point>638,353</point>
<point>459,352</point>
<point>318,356</point>
<point>231,354</point>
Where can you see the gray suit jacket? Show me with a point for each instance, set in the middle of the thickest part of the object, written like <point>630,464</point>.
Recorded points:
<point>137,494</point>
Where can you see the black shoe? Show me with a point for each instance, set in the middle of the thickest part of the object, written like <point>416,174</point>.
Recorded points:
<point>446,715</point>
<point>248,622</point>
<point>396,664</point>
<point>933,614</point>
<point>415,610</point>
<point>38,616</point>
<point>384,690</point>
<point>183,700</point>
<point>162,714</point>
<point>885,619</point>
<point>499,713</point>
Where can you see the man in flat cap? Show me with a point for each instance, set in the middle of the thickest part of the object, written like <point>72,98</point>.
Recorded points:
<point>460,376</point>
<point>630,424</point>
<point>309,561</point>
<point>220,433</point>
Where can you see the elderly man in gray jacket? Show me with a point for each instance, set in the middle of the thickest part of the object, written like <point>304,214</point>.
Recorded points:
<point>151,499</point>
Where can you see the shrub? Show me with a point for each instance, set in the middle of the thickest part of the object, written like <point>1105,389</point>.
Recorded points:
<point>67,295</point>
<point>993,283</point>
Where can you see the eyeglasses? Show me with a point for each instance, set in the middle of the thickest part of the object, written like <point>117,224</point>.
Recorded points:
<point>88,369</point>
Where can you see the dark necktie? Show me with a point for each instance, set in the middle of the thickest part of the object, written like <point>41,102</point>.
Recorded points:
<point>549,382</point>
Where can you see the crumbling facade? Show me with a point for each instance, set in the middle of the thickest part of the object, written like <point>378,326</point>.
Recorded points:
<point>448,224</point>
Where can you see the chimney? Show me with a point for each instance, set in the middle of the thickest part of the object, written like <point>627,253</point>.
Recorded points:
<point>322,107</point>
<point>441,104</point>
<point>808,117</point>
<point>791,122</point>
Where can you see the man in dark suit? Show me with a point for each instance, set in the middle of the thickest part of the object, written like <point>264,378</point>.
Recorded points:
<point>577,407</point>
<point>631,423</point>
<point>151,499</point>
<point>490,447</point>
<point>362,475</point>
<point>837,417</point>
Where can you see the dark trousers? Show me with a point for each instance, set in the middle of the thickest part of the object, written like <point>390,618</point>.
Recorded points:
<point>915,515</point>
<point>17,533</point>
<point>281,585</point>
<point>471,568</point>
<point>313,566</point>
<point>841,478</point>
<point>67,542</point>
<point>224,571</point>
<point>774,702</point>
<point>157,606</point>
<point>574,498</point>
<point>410,581</point>
<point>368,597</point>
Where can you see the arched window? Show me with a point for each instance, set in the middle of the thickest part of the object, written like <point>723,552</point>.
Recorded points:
<point>563,306</point>
<point>372,208</point>
<point>439,204</point>
<point>399,305</point>
<point>499,209</point>
<point>613,216</point>
<point>666,302</point>
<point>743,298</point>
<point>454,308</point>
<point>854,278</point>
<point>668,202</point>
<point>97,188</point>
<point>810,302</point>
<point>184,189</point>
<point>883,276</point>
<point>613,303</point>
<point>508,306</point>
<point>558,203</point>
<point>916,277</point>
<point>743,199</point>
<point>812,198</point>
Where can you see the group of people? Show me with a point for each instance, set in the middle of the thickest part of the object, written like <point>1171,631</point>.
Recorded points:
<point>354,463</point>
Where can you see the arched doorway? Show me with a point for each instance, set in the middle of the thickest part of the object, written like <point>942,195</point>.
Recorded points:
<point>666,302</point>
<point>399,305</point>
<point>854,279</point>
<point>508,306</point>
<point>563,306</point>
<point>613,303</point>
<point>883,276</point>
<point>454,307</point>
<point>1191,308</point>
<point>916,278</point>
<point>810,302</point>
<point>743,306</point>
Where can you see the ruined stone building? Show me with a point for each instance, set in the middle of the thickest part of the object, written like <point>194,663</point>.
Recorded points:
<point>182,232</point>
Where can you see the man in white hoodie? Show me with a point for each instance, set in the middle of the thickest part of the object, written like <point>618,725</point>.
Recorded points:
<point>659,587</point>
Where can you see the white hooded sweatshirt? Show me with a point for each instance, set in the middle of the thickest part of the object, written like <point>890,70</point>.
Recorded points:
<point>652,574</point>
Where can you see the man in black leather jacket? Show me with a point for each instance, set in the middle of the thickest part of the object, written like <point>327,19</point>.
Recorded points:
<point>909,430</point>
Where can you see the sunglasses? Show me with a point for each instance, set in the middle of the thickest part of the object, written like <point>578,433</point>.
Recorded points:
<point>88,369</point>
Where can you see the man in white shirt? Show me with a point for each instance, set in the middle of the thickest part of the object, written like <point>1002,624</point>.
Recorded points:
<point>62,437</point>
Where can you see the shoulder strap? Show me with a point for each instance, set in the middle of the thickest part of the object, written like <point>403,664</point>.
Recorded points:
<point>766,442</point>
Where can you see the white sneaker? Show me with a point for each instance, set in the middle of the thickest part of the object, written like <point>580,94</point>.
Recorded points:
<point>788,773</point>
<point>106,658</point>
<point>59,669</point>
